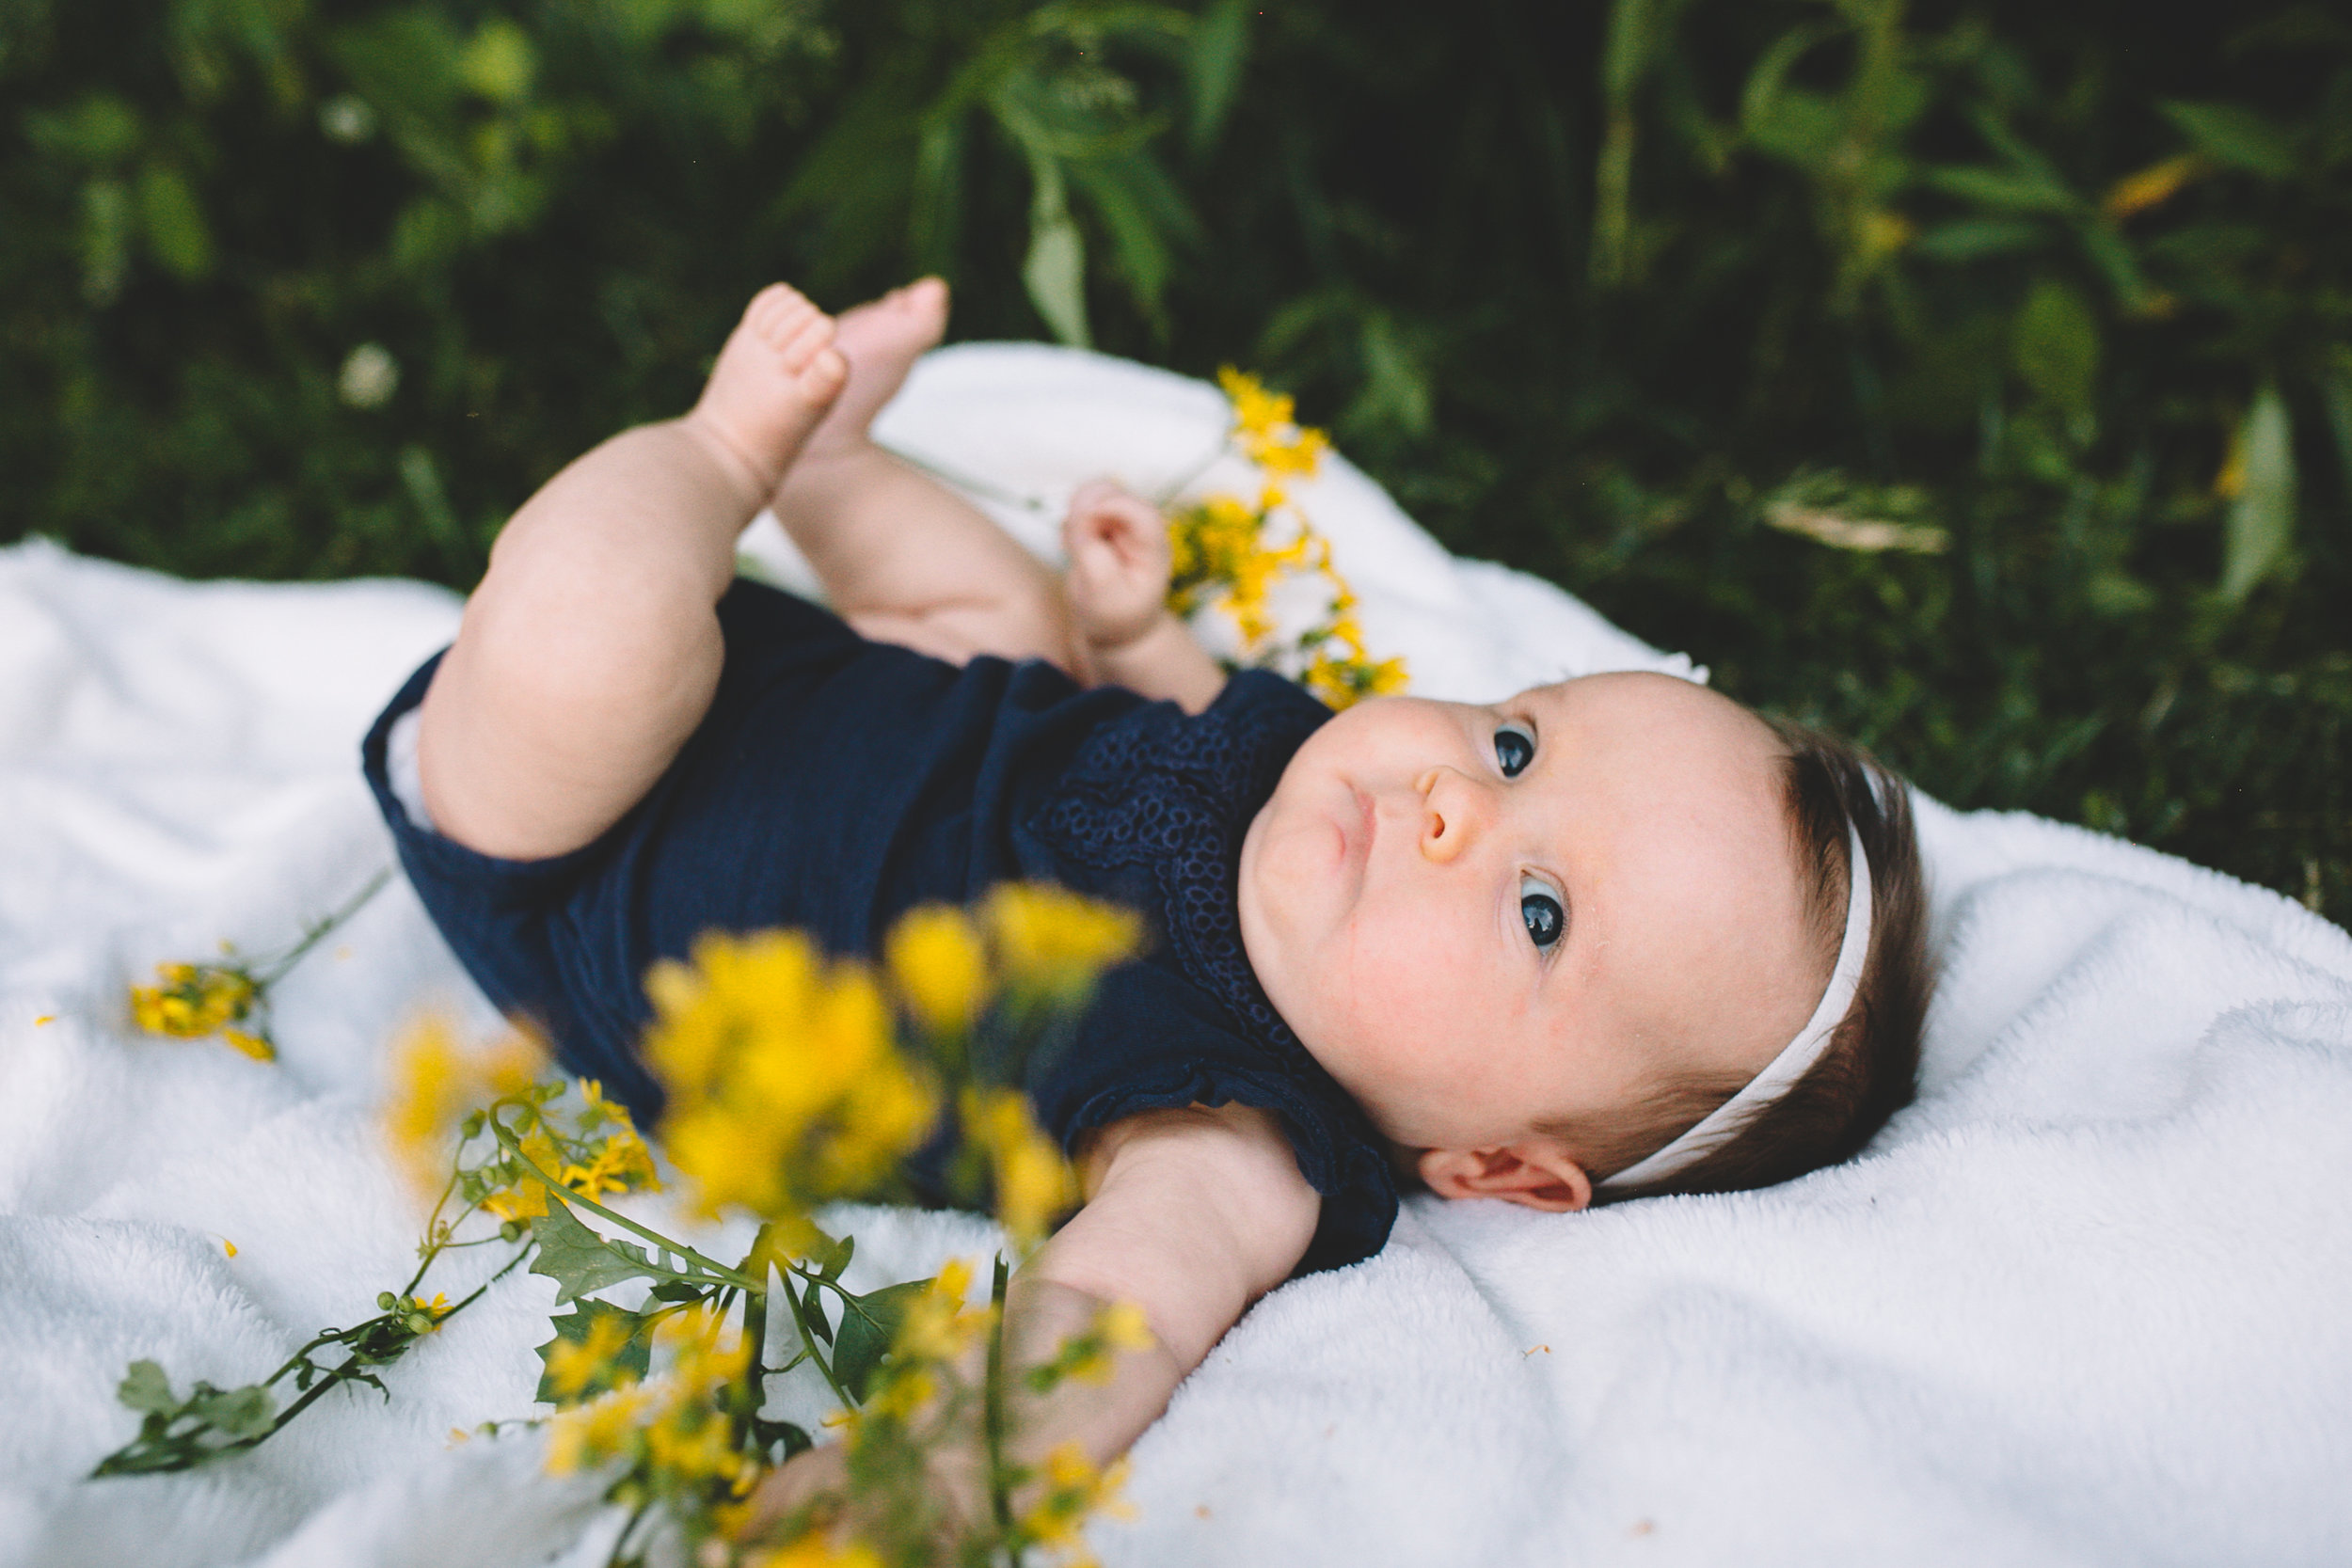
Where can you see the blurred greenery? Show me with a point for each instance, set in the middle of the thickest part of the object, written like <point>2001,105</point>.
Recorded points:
<point>1973,379</point>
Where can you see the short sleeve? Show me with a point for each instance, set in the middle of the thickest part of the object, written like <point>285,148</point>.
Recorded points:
<point>1153,1040</point>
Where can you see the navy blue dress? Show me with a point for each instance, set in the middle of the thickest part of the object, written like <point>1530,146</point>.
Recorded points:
<point>837,782</point>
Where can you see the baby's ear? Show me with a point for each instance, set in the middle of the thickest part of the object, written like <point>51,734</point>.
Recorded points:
<point>1538,1172</point>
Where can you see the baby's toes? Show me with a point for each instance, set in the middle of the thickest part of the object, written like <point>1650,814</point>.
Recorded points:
<point>779,313</point>
<point>812,333</point>
<point>821,378</point>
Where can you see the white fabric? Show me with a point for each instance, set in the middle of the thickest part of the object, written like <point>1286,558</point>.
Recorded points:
<point>1793,1060</point>
<point>2083,1303</point>
<point>401,771</point>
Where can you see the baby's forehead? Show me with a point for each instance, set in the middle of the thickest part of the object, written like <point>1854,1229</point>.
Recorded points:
<point>1648,689</point>
<point>1658,725</point>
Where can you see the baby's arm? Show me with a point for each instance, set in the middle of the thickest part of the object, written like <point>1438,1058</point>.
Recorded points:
<point>1118,589</point>
<point>590,651</point>
<point>1192,1215</point>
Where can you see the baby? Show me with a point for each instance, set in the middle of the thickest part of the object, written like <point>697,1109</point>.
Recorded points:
<point>1607,937</point>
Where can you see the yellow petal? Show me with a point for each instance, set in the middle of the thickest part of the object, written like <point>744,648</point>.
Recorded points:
<point>256,1046</point>
<point>939,967</point>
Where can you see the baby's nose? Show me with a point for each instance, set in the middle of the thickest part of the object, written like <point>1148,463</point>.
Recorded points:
<point>1454,811</point>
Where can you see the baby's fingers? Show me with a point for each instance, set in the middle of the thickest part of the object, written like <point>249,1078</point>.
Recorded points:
<point>1103,517</point>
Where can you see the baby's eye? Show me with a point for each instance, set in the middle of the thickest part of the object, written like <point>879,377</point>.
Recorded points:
<point>1541,908</point>
<point>1515,748</point>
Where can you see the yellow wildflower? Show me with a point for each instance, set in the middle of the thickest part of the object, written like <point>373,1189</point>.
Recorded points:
<point>937,1326</point>
<point>690,1444</point>
<point>596,1110</point>
<point>527,1200</point>
<point>256,1046</point>
<point>1093,1355</point>
<point>1124,1324</point>
<point>1223,551</point>
<point>953,1282</point>
<point>194,1000</point>
<point>588,1435</point>
<point>1034,1184</point>
<point>575,1364</point>
<point>228,1247</point>
<point>1256,411</point>
<point>786,1088</point>
<point>939,967</point>
<point>816,1550</point>
<point>1075,1490</point>
<point>622,1164</point>
<point>436,1083</point>
<point>1300,453</point>
<point>1051,943</point>
<point>906,1391</point>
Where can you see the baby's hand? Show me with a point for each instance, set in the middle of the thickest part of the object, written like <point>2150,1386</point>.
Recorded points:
<point>1119,565</point>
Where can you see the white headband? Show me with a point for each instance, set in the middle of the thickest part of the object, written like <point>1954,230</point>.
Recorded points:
<point>1727,1120</point>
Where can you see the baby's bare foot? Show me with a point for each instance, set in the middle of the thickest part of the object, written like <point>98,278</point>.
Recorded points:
<point>881,340</point>
<point>776,376</point>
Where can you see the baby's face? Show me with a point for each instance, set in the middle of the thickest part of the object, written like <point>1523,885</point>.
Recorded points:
<point>1480,919</point>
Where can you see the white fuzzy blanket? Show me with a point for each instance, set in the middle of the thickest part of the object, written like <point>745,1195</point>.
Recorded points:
<point>2086,1301</point>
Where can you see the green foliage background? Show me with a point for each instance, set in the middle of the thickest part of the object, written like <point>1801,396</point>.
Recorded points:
<point>1621,292</point>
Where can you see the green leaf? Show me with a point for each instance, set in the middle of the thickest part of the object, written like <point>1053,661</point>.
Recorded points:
<point>1766,87</point>
<point>678,1289</point>
<point>2262,519</point>
<point>241,1413</point>
<point>579,1259</point>
<point>935,206</point>
<point>176,231</point>
<point>1970,238</point>
<point>2237,137</point>
<point>1055,276</point>
<point>1212,67</point>
<point>1799,127</point>
<point>2335,385</point>
<point>1121,191</point>
<point>831,1258</point>
<point>2055,346</point>
<point>2004,188</point>
<point>867,1326</point>
<point>497,62</point>
<point>146,1388</point>
<point>769,1434</point>
<point>100,130</point>
<point>635,1356</point>
<point>813,1308</point>
<point>2112,255</point>
<point>1396,393</point>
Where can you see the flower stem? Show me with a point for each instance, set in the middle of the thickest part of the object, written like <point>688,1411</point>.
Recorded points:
<point>311,937</point>
<point>992,1413</point>
<point>808,1344</point>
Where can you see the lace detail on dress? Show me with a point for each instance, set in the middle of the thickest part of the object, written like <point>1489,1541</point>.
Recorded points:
<point>1176,794</point>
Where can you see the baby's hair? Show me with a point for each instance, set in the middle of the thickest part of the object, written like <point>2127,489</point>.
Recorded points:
<point>1872,1067</point>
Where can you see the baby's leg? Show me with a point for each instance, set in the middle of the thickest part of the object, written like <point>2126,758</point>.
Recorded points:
<point>904,558</point>
<point>590,651</point>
